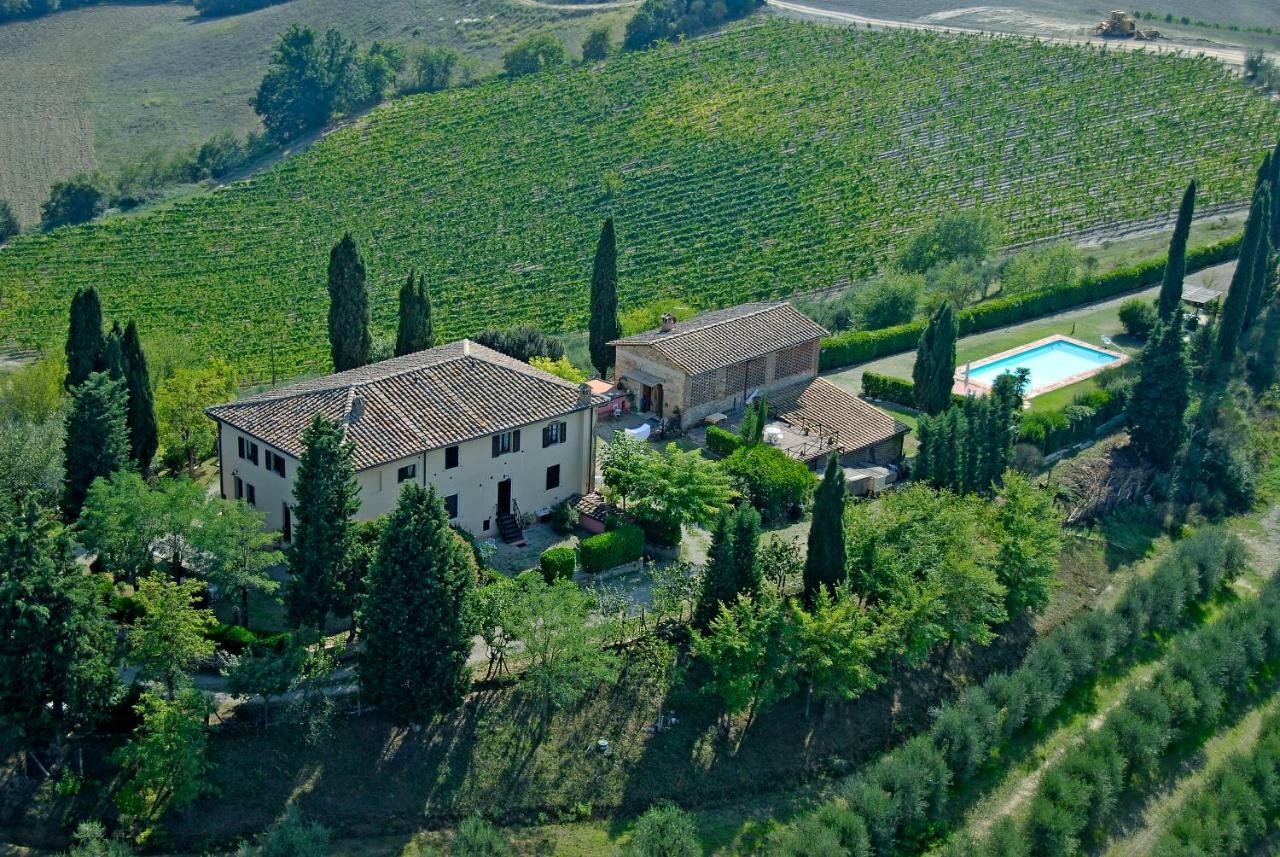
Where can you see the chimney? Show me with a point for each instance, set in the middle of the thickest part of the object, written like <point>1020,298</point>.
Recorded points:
<point>584,392</point>
<point>668,322</point>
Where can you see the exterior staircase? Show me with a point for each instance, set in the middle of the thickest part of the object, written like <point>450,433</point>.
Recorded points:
<point>509,529</point>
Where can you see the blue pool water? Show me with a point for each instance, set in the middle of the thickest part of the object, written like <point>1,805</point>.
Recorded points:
<point>1048,363</point>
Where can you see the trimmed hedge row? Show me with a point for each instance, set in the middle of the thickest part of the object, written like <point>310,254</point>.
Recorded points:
<point>558,564</point>
<point>899,799</point>
<point>887,388</point>
<point>1079,421</point>
<point>860,346</point>
<point>723,443</point>
<point>612,548</point>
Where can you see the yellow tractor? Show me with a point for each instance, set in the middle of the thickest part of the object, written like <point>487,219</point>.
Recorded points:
<point>1121,25</point>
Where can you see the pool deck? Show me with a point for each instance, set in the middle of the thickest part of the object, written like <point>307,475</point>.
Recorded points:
<point>963,387</point>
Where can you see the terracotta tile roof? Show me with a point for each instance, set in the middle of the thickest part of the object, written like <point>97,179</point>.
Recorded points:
<point>728,336</point>
<point>407,405</point>
<point>821,404</point>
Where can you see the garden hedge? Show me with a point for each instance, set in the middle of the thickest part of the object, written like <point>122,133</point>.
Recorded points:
<point>558,564</point>
<point>886,388</point>
<point>860,346</point>
<point>612,549</point>
<point>723,443</point>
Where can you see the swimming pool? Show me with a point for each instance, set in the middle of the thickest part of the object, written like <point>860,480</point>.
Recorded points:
<point>1053,362</point>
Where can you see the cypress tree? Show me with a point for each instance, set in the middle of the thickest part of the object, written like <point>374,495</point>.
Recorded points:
<point>935,369</point>
<point>824,564</point>
<point>349,340</point>
<point>604,325</point>
<point>326,497</point>
<point>144,434</point>
<point>84,348</point>
<point>424,306</point>
<point>1261,273</point>
<point>1231,321</point>
<point>416,636</point>
<point>1157,407</point>
<point>408,332</point>
<point>720,578</point>
<point>1262,365</point>
<point>1275,197</point>
<point>923,465</point>
<point>746,544</point>
<point>113,353</point>
<point>1176,265</point>
<point>97,438</point>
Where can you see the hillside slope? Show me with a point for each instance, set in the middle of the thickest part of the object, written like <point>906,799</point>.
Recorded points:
<point>97,87</point>
<point>771,159</point>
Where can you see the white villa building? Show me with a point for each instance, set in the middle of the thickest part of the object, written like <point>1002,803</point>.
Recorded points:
<point>496,437</point>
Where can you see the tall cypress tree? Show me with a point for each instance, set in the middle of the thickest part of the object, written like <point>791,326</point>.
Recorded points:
<point>97,438</point>
<point>1261,274</point>
<point>349,340</point>
<point>326,497</point>
<point>746,546</point>
<point>84,348</point>
<point>824,564</point>
<point>720,578</point>
<point>1262,364</point>
<point>1275,197</point>
<point>935,369</point>
<point>1156,411</point>
<point>424,305</point>
<point>416,636</point>
<point>144,435</point>
<point>113,352</point>
<point>1231,321</point>
<point>1176,266</point>
<point>604,326</point>
<point>409,331</point>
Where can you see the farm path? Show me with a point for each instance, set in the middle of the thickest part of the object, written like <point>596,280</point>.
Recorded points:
<point>1230,56</point>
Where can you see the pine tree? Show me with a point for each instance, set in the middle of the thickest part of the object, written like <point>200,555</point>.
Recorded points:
<point>1176,265</point>
<point>1231,321</point>
<point>85,344</point>
<point>58,646</point>
<point>141,417</point>
<point>1261,272</point>
<point>604,326</point>
<point>113,353</point>
<point>935,369</point>
<point>349,340</point>
<point>410,332</point>
<point>1156,412</point>
<point>824,565</point>
<point>97,438</point>
<point>746,546</point>
<point>719,581</point>
<point>326,498</point>
<point>416,635</point>
<point>424,305</point>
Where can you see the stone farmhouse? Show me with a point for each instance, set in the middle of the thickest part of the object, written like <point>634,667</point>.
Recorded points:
<point>716,362</point>
<point>497,438</point>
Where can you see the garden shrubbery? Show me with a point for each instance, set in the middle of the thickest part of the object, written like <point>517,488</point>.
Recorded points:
<point>1059,428</point>
<point>886,388</point>
<point>1138,317</point>
<point>659,529</point>
<point>723,443</point>
<point>558,564</point>
<point>613,548</point>
<point>779,486</point>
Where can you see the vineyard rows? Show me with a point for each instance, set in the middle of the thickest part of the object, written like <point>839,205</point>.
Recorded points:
<point>772,159</point>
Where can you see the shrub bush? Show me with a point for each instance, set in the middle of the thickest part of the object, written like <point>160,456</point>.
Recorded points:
<point>612,549</point>
<point>888,389</point>
<point>125,610</point>
<point>232,638</point>
<point>847,349</point>
<point>558,564</point>
<point>1138,317</point>
<point>564,518</point>
<point>775,483</point>
<point>659,529</point>
<point>723,443</point>
<point>1059,428</point>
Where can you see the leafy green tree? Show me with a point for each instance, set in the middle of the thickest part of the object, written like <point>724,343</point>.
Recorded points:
<point>1176,265</point>
<point>665,830</point>
<point>533,54</point>
<point>9,226</point>
<point>1231,321</point>
<point>824,564</point>
<point>961,235</point>
<point>85,343</point>
<point>349,340</point>
<point>264,671</point>
<point>835,645</point>
<point>476,837</point>
<point>597,46</point>
<point>1029,538</point>
<point>604,326</point>
<point>97,440</point>
<point>1157,407</point>
<point>415,331</point>
<point>624,466</point>
<point>561,642</point>
<point>305,80</point>
<point>291,836</point>
<point>31,459</point>
<point>185,432</point>
<point>680,485</point>
<point>91,840</point>
<point>416,637</point>
<point>561,368</point>
<point>144,431</point>
<point>776,484</point>
<point>745,649</point>
<point>935,367</point>
<point>169,638</point>
<point>57,644</point>
<point>121,523</point>
<point>326,497</point>
<point>435,67</point>
<point>166,761</point>
<point>234,551</point>
<point>888,300</point>
<point>75,200</point>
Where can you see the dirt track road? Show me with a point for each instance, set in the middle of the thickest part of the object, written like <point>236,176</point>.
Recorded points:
<point>1230,56</point>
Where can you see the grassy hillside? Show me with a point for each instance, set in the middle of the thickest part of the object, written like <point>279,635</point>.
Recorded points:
<point>97,87</point>
<point>771,159</point>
